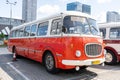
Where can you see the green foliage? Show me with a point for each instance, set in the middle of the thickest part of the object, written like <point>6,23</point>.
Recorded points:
<point>2,36</point>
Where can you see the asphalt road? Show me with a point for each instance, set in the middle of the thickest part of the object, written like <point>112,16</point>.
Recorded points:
<point>26,69</point>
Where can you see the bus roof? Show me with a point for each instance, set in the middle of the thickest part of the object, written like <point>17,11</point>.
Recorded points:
<point>107,25</point>
<point>76,13</point>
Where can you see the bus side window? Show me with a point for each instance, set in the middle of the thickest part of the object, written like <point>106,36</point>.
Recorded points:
<point>27,31</point>
<point>56,27</point>
<point>12,34</point>
<point>42,29</point>
<point>115,33</point>
<point>103,30</point>
<point>21,32</point>
<point>33,30</point>
<point>17,33</point>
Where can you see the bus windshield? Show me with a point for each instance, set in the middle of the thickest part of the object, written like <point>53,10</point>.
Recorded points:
<point>80,25</point>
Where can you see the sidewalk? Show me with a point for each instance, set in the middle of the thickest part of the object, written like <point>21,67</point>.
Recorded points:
<point>4,75</point>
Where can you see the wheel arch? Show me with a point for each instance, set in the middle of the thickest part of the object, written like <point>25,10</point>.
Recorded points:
<point>52,52</point>
<point>113,50</point>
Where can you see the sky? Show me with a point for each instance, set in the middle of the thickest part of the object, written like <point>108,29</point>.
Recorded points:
<point>48,7</point>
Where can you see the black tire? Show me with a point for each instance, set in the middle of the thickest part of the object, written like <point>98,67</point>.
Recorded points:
<point>49,63</point>
<point>110,58</point>
<point>83,67</point>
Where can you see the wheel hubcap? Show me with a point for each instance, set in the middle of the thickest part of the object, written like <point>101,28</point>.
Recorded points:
<point>49,62</point>
<point>108,57</point>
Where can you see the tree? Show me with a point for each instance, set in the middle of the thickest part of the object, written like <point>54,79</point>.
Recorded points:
<point>2,36</point>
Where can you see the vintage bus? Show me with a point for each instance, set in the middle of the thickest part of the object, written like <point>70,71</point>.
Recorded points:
<point>111,35</point>
<point>69,40</point>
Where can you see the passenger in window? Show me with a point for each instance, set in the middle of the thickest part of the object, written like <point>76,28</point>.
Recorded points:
<point>64,30</point>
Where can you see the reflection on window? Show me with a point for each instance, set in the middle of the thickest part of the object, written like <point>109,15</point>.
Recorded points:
<point>115,33</point>
<point>93,26</point>
<point>80,25</point>
<point>76,25</point>
<point>21,33</point>
<point>27,31</point>
<point>33,30</point>
<point>103,32</point>
<point>42,29</point>
<point>56,26</point>
<point>12,34</point>
<point>17,33</point>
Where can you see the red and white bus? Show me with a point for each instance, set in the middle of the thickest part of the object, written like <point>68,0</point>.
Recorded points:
<point>63,41</point>
<point>111,34</point>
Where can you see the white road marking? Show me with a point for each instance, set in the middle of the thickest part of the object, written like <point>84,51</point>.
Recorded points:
<point>4,75</point>
<point>20,73</point>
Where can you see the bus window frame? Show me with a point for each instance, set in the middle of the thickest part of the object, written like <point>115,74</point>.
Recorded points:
<point>24,31</point>
<point>38,28</point>
<point>110,31</point>
<point>60,19</point>
<point>104,36</point>
<point>36,25</point>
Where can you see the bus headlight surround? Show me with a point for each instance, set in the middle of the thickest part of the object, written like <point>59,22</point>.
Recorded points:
<point>78,53</point>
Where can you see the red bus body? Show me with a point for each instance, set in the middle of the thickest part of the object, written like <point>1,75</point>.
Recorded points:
<point>63,48</point>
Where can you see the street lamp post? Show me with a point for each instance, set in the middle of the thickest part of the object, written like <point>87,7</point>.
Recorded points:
<point>11,3</point>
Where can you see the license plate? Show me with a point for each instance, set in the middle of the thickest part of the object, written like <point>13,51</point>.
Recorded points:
<point>96,62</point>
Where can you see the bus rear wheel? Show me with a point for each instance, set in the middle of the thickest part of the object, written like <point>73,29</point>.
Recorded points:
<point>49,63</point>
<point>110,58</point>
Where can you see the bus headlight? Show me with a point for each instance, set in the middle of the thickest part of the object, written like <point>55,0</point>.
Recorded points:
<point>78,53</point>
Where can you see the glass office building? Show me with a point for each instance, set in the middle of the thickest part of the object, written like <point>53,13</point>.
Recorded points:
<point>74,6</point>
<point>113,16</point>
<point>77,6</point>
<point>86,8</point>
<point>29,9</point>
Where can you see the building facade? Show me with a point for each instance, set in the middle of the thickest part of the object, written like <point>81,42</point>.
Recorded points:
<point>112,16</point>
<point>29,9</point>
<point>74,6</point>
<point>86,8</point>
<point>77,6</point>
<point>5,22</point>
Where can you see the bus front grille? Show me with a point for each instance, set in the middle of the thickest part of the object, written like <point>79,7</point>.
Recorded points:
<point>93,50</point>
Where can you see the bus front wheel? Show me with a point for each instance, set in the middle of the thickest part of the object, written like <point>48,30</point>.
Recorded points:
<point>49,63</point>
<point>110,58</point>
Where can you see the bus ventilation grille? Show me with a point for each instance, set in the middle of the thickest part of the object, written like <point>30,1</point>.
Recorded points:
<point>93,50</point>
